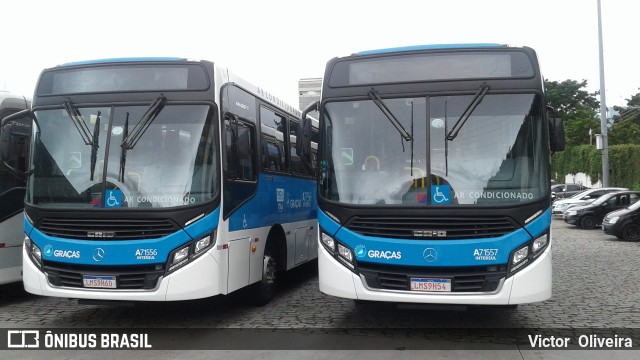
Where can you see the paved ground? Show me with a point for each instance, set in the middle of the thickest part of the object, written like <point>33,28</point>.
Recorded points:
<point>596,286</point>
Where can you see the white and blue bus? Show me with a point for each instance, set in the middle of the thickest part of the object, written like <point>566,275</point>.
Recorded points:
<point>12,186</point>
<point>434,176</point>
<point>161,179</point>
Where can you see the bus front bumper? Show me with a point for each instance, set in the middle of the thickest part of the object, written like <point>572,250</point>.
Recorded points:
<point>198,279</point>
<point>531,284</point>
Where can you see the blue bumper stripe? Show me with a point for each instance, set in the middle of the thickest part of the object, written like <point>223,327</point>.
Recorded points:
<point>119,252</point>
<point>408,252</point>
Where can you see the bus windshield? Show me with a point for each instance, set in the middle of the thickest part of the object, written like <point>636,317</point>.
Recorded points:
<point>174,163</point>
<point>497,158</point>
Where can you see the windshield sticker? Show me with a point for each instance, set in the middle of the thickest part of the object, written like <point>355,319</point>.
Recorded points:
<point>500,195</point>
<point>113,199</point>
<point>421,199</point>
<point>74,160</point>
<point>346,155</point>
<point>440,194</point>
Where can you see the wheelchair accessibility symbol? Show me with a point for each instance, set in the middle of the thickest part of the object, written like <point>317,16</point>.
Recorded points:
<point>440,194</point>
<point>113,199</point>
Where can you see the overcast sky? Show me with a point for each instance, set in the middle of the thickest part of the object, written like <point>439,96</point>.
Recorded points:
<point>275,43</point>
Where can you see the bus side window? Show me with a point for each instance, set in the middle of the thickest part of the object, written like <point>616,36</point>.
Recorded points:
<point>274,128</point>
<point>272,156</point>
<point>239,148</point>
<point>297,166</point>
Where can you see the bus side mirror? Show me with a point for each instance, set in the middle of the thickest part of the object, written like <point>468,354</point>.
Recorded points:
<point>15,133</point>
<point>556,134</point>
<point>303,138</point>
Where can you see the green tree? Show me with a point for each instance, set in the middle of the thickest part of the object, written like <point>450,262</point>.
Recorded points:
<point>577,108</point>
<point>626,126</point>
<point>567,96</point>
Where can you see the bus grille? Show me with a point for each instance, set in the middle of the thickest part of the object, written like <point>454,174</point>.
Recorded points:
<point>133,277</point>
<point>431,227</point>
<point>107,229</point>
<point>463,279</point>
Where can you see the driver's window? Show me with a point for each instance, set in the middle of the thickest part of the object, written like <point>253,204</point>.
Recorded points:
<point>239,148</point>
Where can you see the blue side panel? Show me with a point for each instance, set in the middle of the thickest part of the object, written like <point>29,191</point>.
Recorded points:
<point>540,225</point>
<point>120,252</point>
<point>116,60</point>
<point>475,252</point>
<point>427,47</point>
<point>327,224</point>
<point>27,225</point>
<point>204,226</point>
<point>279,199</point>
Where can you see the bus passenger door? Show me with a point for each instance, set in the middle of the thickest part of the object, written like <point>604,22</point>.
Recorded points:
<point>238,273</point>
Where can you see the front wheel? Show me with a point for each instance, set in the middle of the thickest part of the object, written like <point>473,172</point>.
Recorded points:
<point>588,222</point>
<point>264,289</point>
<point>631,232</point>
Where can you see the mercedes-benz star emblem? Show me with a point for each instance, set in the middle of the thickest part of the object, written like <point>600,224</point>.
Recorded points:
<point>430,254</point>
<point>98,254</point>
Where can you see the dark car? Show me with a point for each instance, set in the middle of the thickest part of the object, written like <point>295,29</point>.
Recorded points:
<point>590,215</point>
<point>623,223</point>
<point>563,191</point>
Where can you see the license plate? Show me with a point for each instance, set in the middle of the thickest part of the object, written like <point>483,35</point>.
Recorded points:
<point>103,282</point>
<point>428,284</point>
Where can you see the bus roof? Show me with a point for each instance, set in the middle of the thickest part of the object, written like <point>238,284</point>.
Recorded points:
<point>115,60</point>
<point>428,47</point>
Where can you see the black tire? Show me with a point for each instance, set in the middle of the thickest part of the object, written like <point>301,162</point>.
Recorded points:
<point>631,232</point>
<point>588,222</point>
<point>264,289</point>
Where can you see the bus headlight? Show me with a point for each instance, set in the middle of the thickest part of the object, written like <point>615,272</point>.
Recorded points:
<point>539,244</point>
<point>202,245</point>
<point>33,251</point>
<point>328,243</point>
<point>179,258</point>
<point>527,253</point>
<point>519,258</point>
<point>338,250</point>
<point>189,251</point>
<point>345,253</point>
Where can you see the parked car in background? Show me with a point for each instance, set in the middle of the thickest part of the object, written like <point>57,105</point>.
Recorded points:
<point>623,223</point>
<point>563,191</point>
<point>589,216</point>
<point>583,198</point>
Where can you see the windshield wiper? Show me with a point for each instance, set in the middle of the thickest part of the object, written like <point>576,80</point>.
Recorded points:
<point>83,129</point>
<point>477,99</point>
<point>94,145</point>
<point>392,119</point>
<point>123,149</point>
<point>78,122</point>
<point>129,142</point>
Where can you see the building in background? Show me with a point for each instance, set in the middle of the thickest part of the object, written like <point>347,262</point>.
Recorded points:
<point>309,91</point>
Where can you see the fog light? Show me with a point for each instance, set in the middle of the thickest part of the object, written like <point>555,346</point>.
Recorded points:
<point>328,242</point>
<point>539,243</point>
<point>202,244</point>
